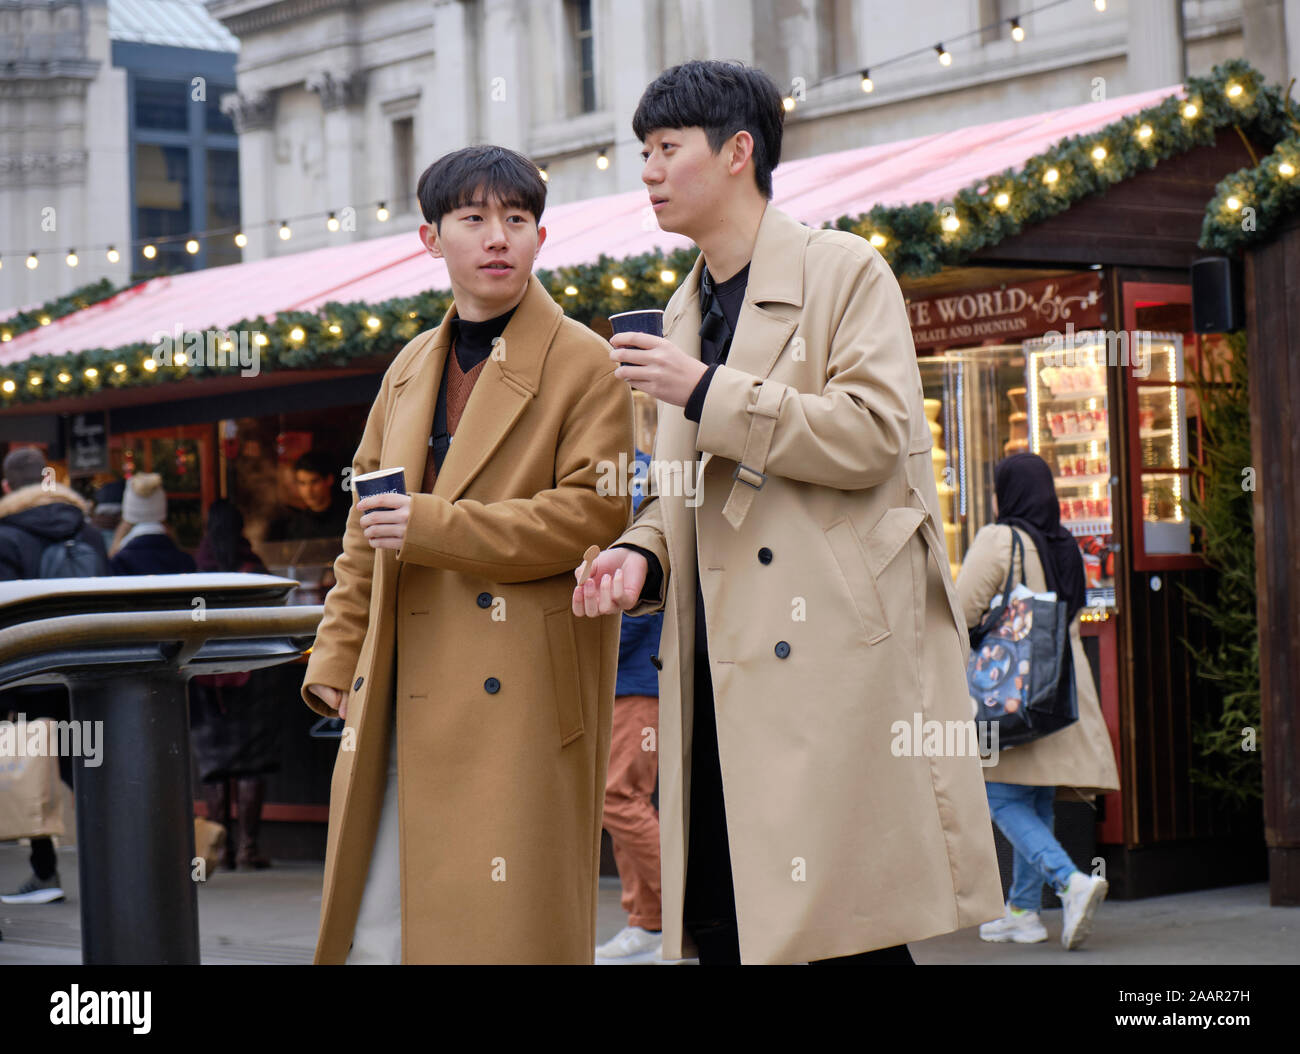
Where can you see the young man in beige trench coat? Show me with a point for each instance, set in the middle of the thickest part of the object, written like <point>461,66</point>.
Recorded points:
<point>790,831</point>
<point>466,801</point>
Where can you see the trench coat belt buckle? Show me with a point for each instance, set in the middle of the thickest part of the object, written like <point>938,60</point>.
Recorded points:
<point>753,460</point>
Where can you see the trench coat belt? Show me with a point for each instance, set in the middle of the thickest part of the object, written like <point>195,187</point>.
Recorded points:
<point>749,474</point>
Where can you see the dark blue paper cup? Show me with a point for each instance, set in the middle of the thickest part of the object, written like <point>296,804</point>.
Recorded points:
<point>649,321</point>
<point>381,481</point>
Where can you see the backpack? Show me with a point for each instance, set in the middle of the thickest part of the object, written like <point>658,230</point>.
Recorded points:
<point>71,558</point>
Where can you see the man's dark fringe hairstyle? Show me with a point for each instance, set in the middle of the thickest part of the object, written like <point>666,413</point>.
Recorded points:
<point>479,173</point>
<point>722,98</point>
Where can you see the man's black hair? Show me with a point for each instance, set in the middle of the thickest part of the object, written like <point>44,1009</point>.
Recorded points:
<point>479,173</point>
<point>722,98</point>
<point>317,462</point>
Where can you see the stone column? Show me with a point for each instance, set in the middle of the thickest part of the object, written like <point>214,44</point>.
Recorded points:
<point>1156,54</point>
<point>254,117</point>
<point>342,133</point>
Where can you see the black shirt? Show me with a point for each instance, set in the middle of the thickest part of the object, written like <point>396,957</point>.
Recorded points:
<point>473,342</point>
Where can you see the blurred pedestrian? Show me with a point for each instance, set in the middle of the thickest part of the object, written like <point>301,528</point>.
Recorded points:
<point>142,544</point>
<point>232,724</point>
<point>43,534</point>
<point>630,816</point>
<point>1022,785</point>
<point>107,512</point>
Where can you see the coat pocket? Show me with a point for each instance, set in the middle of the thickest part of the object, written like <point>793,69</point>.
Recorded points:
<point>562,646</point>
<point>863,561</point>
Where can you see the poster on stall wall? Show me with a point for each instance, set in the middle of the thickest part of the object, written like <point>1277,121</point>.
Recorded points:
<point>87,444</point>
<point>1006,313</point>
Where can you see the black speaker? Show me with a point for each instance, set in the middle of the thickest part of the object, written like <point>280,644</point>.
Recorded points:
<point>1217,302</point>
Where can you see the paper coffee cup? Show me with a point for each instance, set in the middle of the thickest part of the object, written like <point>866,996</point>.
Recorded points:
<point>381,481</point>
<point>649,321</point>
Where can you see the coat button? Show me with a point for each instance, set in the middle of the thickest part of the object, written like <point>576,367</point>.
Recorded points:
<point>765,555</point>
<point>656,662</point>
<point>782,649</point>
<point>485,600</point>
<point>357,687</point>
<point>492,685</point>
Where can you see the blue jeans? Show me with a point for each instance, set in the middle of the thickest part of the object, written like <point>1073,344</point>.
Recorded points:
<point>1024,816</point>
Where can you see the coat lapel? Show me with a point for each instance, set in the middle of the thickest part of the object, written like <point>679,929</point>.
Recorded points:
<point>510,380</point>
<point>764,325</point>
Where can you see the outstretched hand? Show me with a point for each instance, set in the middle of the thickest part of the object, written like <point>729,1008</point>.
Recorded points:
<point>617,577</point>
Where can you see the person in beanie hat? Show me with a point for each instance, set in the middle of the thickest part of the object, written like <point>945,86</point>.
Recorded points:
<point>142,545</point>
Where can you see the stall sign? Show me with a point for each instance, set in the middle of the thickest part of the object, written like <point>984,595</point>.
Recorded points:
<point>1006,313</point>
<point>88,444</point>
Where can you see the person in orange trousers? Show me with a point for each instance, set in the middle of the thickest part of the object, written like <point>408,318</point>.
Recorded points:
<point>630,816</point>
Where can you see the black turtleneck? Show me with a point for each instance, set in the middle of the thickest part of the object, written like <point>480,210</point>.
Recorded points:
<point>472,342</point>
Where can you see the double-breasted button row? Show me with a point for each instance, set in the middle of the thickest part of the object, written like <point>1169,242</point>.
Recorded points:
<point>359,682</point>
<point>492,686</point>
<point>485,600</point>
<point>765,555</point>
<point>782,649</point>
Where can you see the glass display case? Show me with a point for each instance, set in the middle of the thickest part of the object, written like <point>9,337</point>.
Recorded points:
<point>1161,472</point>
<point>975,403</point>
<point>1069,414</point>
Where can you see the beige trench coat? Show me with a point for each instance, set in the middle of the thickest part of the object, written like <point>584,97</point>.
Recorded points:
<point>846,624</point>
<point>1079,758</point>
<point>503,698</point>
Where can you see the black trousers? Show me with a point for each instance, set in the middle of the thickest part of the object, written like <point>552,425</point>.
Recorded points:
<point>709,913</point>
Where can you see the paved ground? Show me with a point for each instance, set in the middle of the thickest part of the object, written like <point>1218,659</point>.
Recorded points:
<point>271,916</point>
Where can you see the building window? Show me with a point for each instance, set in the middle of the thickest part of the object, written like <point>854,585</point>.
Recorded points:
<point>185,174</point>
<point>583,54</point>
<point>404,164</point>
<point>162,105</point>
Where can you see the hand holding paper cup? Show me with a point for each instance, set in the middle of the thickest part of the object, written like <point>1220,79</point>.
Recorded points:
<point>649,321</point>
<point>381,481</point>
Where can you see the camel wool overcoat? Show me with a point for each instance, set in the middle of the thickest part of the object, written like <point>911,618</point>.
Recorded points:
<point>503,698</point>
<point>830,610</point>
<point>1079,759</point>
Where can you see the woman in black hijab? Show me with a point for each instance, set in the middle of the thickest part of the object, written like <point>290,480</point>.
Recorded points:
<point>1022,783</point>
<point>1027,499</point>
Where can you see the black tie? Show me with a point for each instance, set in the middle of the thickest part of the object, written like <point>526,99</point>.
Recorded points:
<point>714,328</point>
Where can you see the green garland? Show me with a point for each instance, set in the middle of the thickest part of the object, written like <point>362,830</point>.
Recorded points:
<point>52,309</point>
<point>915,239</point>
<point>916,242</point>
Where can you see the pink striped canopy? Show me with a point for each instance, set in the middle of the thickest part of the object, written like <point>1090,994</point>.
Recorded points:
<point>814,189</point>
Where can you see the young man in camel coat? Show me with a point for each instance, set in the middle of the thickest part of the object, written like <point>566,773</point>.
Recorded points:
<point>466,803</point>
<point>808,603</point>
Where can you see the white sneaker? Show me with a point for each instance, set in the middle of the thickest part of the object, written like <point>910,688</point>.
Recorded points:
<point>1025,928</point>
<point>631,944</point>
<point>1080,901</point>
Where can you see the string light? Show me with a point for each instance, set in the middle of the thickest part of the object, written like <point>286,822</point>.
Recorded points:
<point>1191,110</point>
<point>868,85</point>
<point>1235,90</point>
<point>285,232</point>
<point>788,103</point>
<point>878,240</point>
<point>1017,32</point>
<point>332,223</point>
<point>296,334</point>
<point>1234,203</point>
<point>241,239</point>
<point>667,277</point>
<point>64,377</point>
<point>9,386</point>
<point>113,255</point>
<point>35,380</point>
<point>1100,5</point>
<point>602,161</point>
<point>149,365</point>
<point>192,246</point>
<point>335,329</point>
<point>945,59</point>
<point>1099,153</point>
<point>546,176</point>
<point>1002,199</point>
<point>950,222</point>
<point>32,262</point>
<point>619,283</point>
<point>1144,132</point>
<point>149,251</point>
<point>91,373</point>
<point>1286,169</point>
<point>44,320</point>
<point>72,258</point>
<point>372,322</point>
<point>381,213</point>
<point>119,367</point>
<point>260,339</point>
<point>1051,176</point>
<point>570,290</point>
